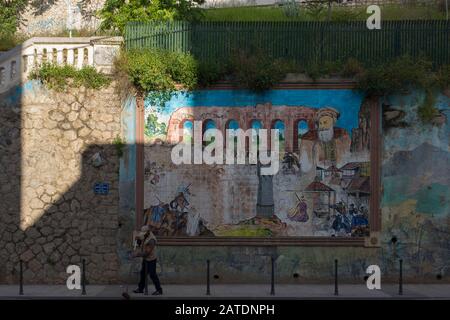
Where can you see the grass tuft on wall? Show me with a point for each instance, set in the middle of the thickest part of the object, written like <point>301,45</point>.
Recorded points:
<point>62,77</point>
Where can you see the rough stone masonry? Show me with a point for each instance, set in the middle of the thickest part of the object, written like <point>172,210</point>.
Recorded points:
<point>54,147</point>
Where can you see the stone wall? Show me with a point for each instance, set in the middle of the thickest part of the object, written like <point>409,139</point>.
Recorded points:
<point>54,147</point>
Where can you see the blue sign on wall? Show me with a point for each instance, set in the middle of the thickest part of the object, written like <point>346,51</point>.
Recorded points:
<point>101,188</point>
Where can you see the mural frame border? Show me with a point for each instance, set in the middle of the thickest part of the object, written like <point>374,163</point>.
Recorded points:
<point>373,240</point>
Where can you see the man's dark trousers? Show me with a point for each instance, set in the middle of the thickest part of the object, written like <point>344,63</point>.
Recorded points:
<point>151,271</point>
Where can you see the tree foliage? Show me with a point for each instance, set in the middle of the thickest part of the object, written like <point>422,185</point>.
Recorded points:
<point>117,13</point>
<point>10,15</point>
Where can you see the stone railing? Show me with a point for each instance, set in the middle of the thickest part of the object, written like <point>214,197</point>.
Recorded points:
<point>16,64</point>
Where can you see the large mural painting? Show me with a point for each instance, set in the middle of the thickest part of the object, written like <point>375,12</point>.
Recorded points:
<point>321,189</point>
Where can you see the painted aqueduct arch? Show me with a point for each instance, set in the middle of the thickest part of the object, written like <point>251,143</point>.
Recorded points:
<point>268,115</point>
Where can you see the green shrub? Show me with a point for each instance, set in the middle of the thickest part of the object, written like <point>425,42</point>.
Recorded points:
<point>352,67</point>
<point>314,71</point>
<point>182,68</point>
<point>9,41</point>
<point>443,77</point>
<point>317,70</point>
<point>427,110</point>
<point>210,72</point>
<point>395,76</point>
<point>331,67</point>
<point>347,14</point>
<point>61,77</point>
<point>158,73</point>
<point>10,15</point>
<point>256,70</point>
<point>405,73</point>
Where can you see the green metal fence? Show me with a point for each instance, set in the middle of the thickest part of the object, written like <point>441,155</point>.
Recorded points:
<point>303,42</point>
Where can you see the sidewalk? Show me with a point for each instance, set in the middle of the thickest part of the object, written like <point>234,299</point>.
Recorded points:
<point>237,291</point>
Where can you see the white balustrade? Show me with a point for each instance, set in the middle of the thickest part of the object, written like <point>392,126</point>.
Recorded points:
<point>17,63</point>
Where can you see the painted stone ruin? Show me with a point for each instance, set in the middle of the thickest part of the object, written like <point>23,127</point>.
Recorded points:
<point>321,189</point>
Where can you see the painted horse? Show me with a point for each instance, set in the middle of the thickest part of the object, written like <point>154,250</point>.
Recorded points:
<point>164,221</point>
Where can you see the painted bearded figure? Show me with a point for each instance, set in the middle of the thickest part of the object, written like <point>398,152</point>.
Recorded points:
<point>326,145</point>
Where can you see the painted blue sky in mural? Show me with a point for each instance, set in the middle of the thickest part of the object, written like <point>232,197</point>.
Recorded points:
<point>347,101</point>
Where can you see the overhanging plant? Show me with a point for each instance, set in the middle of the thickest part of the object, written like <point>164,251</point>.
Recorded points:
<point>406,73</point>
<point>158,74</point>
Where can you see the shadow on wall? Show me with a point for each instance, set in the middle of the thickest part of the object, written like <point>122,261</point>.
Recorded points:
<point>10,178</point>
<point>80,224</point>
<point>59,175</point>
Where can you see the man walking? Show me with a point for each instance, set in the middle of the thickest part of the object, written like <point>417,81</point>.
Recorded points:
<point>147,251</point>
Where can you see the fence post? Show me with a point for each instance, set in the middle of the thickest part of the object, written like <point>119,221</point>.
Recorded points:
<point>21,278</point>
<point>400,278</point>
<point>208,289</point>
<point>336,290</point>
<point>83,278</point>
<point>321,42</point>
<point>272,282</point>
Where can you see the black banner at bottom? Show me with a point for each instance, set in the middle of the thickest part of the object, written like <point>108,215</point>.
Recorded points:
<point>215,309</point>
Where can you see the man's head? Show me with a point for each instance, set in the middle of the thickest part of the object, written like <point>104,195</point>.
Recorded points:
<point>325,120</point>
<point>144,231</point>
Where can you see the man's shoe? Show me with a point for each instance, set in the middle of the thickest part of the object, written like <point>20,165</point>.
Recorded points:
<point>157,293</point>
<point>138,291</point>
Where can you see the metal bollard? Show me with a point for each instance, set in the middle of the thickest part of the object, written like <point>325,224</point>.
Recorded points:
<point>400,278</point>
<point>272,282</point>
<point>336,290</point>
<point>208,289</point>
<point>146,278</point>
<point>21,278</point>
<point>83,278</point>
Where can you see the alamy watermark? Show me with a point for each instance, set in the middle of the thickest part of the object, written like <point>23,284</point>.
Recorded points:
<point>374,280</point>
<point>374,21</point>
<point>238,147</point>
<point>74,280</point>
